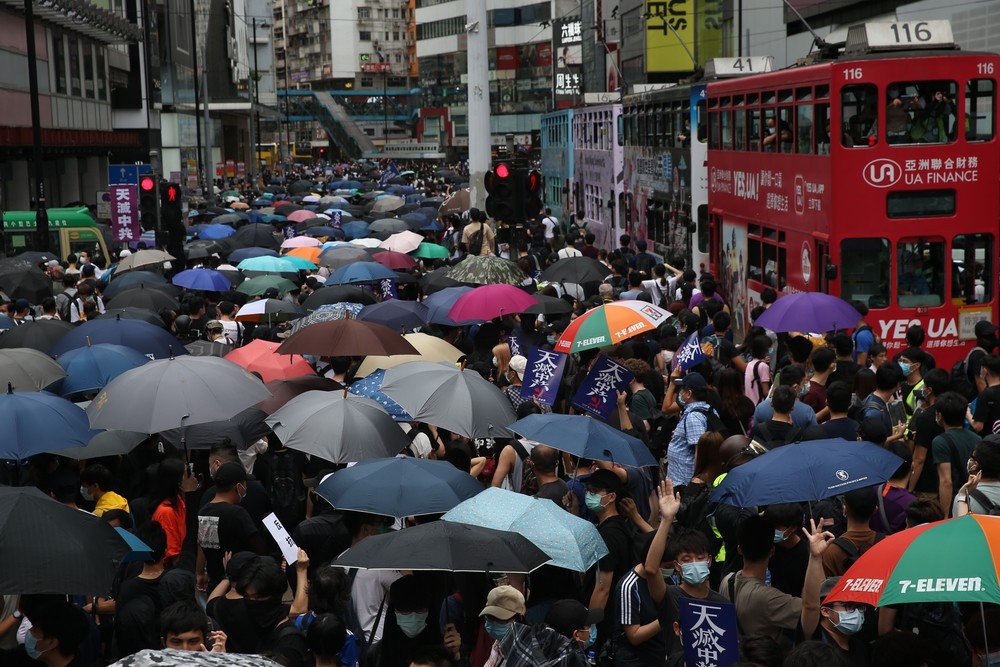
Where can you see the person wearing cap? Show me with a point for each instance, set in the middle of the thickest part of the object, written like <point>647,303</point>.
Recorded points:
<point>515,378</point>
<point>215,332</point>
<point>840,625</point>
<point>21,312</point>
<point>986,342</point>
<point>504,607</point>
<point>561,641</point>
<point>690,393</point>
<point>223,525</point>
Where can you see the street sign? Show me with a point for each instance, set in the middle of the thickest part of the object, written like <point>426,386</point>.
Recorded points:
<point>124,212</point>
<point>126,174</point>
<point>376,67</point>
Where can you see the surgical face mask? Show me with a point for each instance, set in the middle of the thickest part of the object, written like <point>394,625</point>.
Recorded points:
<point>666,573</point>
<point>593,502</point>
<point>680,400</point>
<point>85,492</point>
<point>496,364</point>
<point>31,646</point>
<point>850,622</point>
<point>770,130</point>
<point>412,624</point>
<point>906,368</point>
<point>551,340</point>
<point>587,643</point>
<point>804,389</point>
<point>496,629</point>
<point>694,573</point>
<point>779,536</point>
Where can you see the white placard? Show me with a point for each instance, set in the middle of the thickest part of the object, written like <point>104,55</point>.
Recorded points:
<point>289,549</point>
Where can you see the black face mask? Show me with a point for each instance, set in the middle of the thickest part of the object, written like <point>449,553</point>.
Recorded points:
<point>264,614</point>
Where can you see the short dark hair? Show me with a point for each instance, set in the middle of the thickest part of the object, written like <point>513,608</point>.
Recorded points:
<point>589,238</point>
<point>915,335</point>
<point>862,502</point>
<point>690,541</point>
<point>923,511</point>
<point>227,307</point>
<point>952,407</point>
<point>760,346</point>
<point>838,397</point>
<point>783,400</point>
<point>432,656</point>
<point>987,455</point>
<point>226,451</point>
<point>815,654</point>
<point>768,295</point>
<point>183,616</point>
<point>822,358</point>
<point>785,514</point>
<point>991,362</point>
<point>761,651</point>
<point>888,376</point>
<point>326,636</point>
<point>938,380</point>
<point>791,375</point>
<point>61,620</point>
<point>755,537</point>
<point>97,474</point>
<point>721,321</point>
<point>843,345</point>
<point>265,577</point>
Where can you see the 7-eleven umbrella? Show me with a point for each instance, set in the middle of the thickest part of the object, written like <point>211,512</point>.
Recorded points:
<point>610,324</point>
<point>259,356</point>
<point>915,565</point>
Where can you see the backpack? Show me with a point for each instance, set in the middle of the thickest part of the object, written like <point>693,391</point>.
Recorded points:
<point>756,381</point>
<point>853,553</point>
<point>476,241</point>
<point>287,490</point>
<point>712,421</point>
<point>992,509</point>
<point>863,327</point>
<point>710,347</point>
<point>64,303</point>
<point>696,511</point>
<point>770,442</point>
<point>960,371</point>
<point>940,623</point>
<point>529,483</point>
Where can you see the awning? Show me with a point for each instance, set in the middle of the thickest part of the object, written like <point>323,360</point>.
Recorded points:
<point>82,17</point>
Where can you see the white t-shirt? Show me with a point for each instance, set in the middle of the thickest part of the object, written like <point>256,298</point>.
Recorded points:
<point>550,223</point>
<point>232,329</point>
<point>367,593</point>
<point>568,251</point>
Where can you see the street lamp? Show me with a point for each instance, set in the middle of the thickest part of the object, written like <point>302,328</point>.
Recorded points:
<point>255,103</point>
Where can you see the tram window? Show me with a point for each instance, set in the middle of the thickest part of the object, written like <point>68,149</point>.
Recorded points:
<point>714,130</point>
<point>921,112</point>
<point>920,203</point>
<point>920,265</point>
<point>821,135</point>
<point>865,267</point>
<point>975,285</point>
<point>803,94</point>
<point>804,129</point>
<point>619,122</point>
<point>822,92</point>
<point>701,119</point>
<point>753,129</point>
<point>726,129</point>
<point>980,105</point>
<point>755,268</point>
<point>703,228</point>
<point>786,129</point>
<point>740,129</point>
<point>858,115</point>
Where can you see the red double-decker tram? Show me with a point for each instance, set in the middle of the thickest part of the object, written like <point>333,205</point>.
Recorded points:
<point>872,176</point>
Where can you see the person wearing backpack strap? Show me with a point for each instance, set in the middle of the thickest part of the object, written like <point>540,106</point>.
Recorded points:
<point>986,419</point>
<point>981,492</point>
<point>863,336</point>
<point>690,393</point>
<point>802,415</point>
<point>951,451</point>
<point>860,506</point>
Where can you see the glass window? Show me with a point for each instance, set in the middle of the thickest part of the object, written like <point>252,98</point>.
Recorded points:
<point>975,285</point>
<point>920,279</point>
<point>701,120</point>
<point>858,115</point>
<point>727,129</point>
<point>740,129</point>
<point>619,122</point>
<point>755,268</point>
<point>771,268</point>
<point>980,103</point>
<point>786,129</point>
<point>73,48</point>
<point>102,80</point>
<point>88,70</point>
<point>821,135</point>
<point>920,203</point>
<point>804,129</point>
<point>753,129</point>
<point>59,61</point>
<point>865,267</point>
<point>714,130</point>
<point>703,228</point>
<point>921,112</point>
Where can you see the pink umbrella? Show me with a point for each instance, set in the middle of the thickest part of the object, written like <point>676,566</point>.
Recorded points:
<point>490,301</point>
<point>260,356</point>
<point>403,242</point>
<point>301,216</point>
<point>396,261</point>
<point>301,242</point>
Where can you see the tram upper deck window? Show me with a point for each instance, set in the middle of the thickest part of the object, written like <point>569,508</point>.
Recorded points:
<point>865,267</point>
<point>980,105</point>
<point>920,280</point>
<point>921,112</point>
<point>858,115</point>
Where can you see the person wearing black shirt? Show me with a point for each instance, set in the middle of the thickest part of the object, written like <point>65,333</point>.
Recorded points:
<point>986,419</point>
<point>839,425</point>
<point>223,525</point>
<point>791,553</point>
<point>922,430</point>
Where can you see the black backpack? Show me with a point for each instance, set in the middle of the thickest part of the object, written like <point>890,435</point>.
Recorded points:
<point>940,623</point>
<point>770,441</point>
<point>960,371</point>
<point>853,553</point>
<point>286,486</point>
<point>696,511</point>
<point>992,509</point>
<point>476,241</point>
<point>712,421</point>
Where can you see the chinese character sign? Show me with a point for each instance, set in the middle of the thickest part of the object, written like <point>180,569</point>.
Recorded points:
<point>289,549</point>
<point>290,231</point>
<point>708,632</point>
<point>567,79</point>
<point>387,289</point>
<point>598,395</point>
<point>690,353</point>
<point>514,342</point>
<point>542,375</point>
<point>125,213</point>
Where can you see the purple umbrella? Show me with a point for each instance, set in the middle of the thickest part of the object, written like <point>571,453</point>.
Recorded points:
<point>441,302</point>
<point>809,312</point>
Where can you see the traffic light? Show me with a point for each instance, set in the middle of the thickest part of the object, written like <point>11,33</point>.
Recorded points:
<point>532,194</point>
<point>148,202</point>
<point>171,218</point>
<point>502,201</point>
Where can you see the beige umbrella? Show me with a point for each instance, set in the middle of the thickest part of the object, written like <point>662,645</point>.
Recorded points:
<point>403,242</point>
<point>143,258</point>
<point>457,203</point>
<point>387,204</point>
<point>430,348</point>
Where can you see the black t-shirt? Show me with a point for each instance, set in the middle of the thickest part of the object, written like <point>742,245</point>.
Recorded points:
<point>988,410</point>
<point>136,587</point>
<point>225,527</point>
<point>774,433</point>
<point>232,617</point>
<point>788,567</point>
<point>670,611</point>
<point>636,607</point>
<point>617,535</point>
<point>257,501</point>
<point>846,370</point>
<point>925,430</point>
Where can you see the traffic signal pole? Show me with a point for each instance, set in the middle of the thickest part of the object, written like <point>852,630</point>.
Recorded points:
<point>477,31</point>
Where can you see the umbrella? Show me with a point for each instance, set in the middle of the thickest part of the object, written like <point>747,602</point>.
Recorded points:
<point>324,230</point>
<point>355,229</point>
<point>28,370</point>
<point>216,231</point>
<point>909,566</point>
<point>203,279</point>
<point>91,367</point>
<point>337,427</point>
<point>456,203</point>
<point>342,255</point>
<point>490,301</point>
<point>243,429</point>
<point>444,395</point>
<point>404,242</point>
<point>576,270</point>
<point>269,265</point>
<point>35,421</point>
<point>440,303</point>
<point>430,348</point>
<point>175,392</point>
<point>360,272</point>
<point>399,486</point>
<point>200,248</point>
<point>809,312</point>
<point>346,338</point>
<point>258,236</point>
<point>310,254</point>
<point>285,390</point>
<point>104,443</point>
<point>47,547</point>
<point>584,437</point>
<point>302,185</point>
<point>152,341</point>
<point>268,310</point>
<point>173,657</point>
<point>371,387</point>
<point>368,244</point>
<point>431,251</point>
<point>572,543</point>
<point>383,229</point>
<point>138,550</point>
<point>549,305</point>
<point>206,348</point>
<point>807,471</point>
<point>131,313</point>
<point>300,242</point>
<point>610,324</point>
<point>241,254</point>
<point>142,258</point>
<point>447,546</point>
<point>260,284</point>
<point>140,297</point>
<point>487,270</point>
<point>327,296</point>
<point>301,216</point>
<point>23,280</point>
<point>328,312</point>
<point>39,335</point>
<point>387,204</point>
<point>396,261</point>
<point>259,357</point>
<point>396,314</point>
<point>124,281</point>
<point>35,257</point>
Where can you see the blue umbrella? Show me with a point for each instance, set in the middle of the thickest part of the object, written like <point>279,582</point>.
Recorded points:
<point>267,265</point>
<point>203,279</point>
<point>371,387</point>
<point>807,471</point>
<point>323,230</point>
<point>91,367</point>
<point>809,312</point>
<point>360,272</point>
<point>584,437</point>
<point>153,341</point>
<point>241,254</point>
<point>572,543</point>
<point>131,279</point>
<point>299,262</point>
<point>396,314</point>
<point>355,229</point>
<point>138,550</point>
<point>216,232</point>
<point>441,302</point>
<point>400,486</point>
<point>37,421</point>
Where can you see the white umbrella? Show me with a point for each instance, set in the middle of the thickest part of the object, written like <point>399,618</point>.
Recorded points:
<point>403,242</point>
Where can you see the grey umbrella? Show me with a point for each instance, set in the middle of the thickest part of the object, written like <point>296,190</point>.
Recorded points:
<point>105,443</point>
<point>383,229</point>
<point>337,428</point>
<point>444,395</point>
<point>28,370</point>
<point>175,392</point>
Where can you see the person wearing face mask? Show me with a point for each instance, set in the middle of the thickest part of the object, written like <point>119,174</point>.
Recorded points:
<point>56,637</point>
<point>791,553</point>
<point>257,501</point>
<point>95,485</point>
<point>859,507</point>
<point>223,525</point>
<point>409,628</point>
<point>987,415</point>
<point>911,364</point>
<point>802,415</point>
<point>504,607</point>
<point>840,625</point>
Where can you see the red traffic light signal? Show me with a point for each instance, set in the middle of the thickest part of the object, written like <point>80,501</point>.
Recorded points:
<point>147,184</point>
<point>170,194</point>
<point>502,171</point>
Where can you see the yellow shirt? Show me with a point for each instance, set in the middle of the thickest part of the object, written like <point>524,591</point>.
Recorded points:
<point>110,501</point>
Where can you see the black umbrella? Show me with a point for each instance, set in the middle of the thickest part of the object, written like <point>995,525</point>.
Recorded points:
<point>47,547</point>
<point>254,236</point>
<point>143,297</point>
<point>35,257</point>
<point>301,186</point>
<point>132,313</point>
<point>438,280</point>
<point>338,294</point>
<point>243,430</point>
<point>549,305</point>
<point>23,280</point>
<point>446,546</point>
<point>39,335</point>
<point>576,270</point>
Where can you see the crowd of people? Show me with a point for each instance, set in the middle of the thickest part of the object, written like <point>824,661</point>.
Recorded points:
<point>216,582</point>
